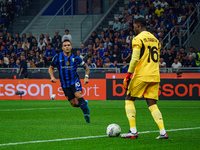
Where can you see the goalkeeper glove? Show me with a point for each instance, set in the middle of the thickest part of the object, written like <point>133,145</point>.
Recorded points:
<point>127,80</point>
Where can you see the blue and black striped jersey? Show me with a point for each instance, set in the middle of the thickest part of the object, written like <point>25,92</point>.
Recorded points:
<point>67,68</point>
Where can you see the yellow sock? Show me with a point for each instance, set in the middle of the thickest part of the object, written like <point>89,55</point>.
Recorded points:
<point>130,112</point>
<point>157,116</point>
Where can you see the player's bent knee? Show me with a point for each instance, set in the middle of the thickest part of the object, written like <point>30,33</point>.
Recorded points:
<point>74,103</point>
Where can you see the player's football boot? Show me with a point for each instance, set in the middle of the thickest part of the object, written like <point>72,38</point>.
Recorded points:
<point>87,118</point>
<point>165,136</point>
<point>130,135</point>
<point>87,107</point>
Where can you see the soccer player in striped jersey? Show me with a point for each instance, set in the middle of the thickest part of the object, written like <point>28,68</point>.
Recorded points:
<point>67,63</point>
<point>146,78</point>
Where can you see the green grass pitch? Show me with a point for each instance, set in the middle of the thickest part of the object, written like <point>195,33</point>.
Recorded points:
<point>56,125</point>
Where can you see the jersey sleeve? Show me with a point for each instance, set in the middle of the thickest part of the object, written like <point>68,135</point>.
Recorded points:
<point>54,61</point>
<point>80,61</point>
<point>136,47</point>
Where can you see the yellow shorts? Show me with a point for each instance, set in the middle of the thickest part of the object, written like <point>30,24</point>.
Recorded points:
<point>138,88</point>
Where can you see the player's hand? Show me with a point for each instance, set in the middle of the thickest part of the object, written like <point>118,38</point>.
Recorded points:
<point>53,80</point>
<point>86,80</point>
<point>127,80</point>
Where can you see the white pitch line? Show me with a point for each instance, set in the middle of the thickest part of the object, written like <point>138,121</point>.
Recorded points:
<point>32,109</point>
<point>87,137</point>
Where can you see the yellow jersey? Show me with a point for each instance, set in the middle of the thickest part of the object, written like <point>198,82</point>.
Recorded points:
<point>147,68</point>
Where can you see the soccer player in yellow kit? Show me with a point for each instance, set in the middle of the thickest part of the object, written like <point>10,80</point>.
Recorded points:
<point>146,78</point>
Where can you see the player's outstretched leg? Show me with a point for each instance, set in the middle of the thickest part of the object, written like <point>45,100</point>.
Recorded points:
<point>157,116</point>
<point>131,113</point>
<point>84,107</point>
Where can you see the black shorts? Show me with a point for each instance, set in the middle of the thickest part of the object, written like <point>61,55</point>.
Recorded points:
<point>69,92</point>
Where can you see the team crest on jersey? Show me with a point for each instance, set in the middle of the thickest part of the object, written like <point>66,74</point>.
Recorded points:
<point>67,63</point>
<point>73,59</point>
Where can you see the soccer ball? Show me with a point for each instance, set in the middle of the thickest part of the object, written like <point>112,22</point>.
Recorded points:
<point>113,130</point>
<point>53,96</point>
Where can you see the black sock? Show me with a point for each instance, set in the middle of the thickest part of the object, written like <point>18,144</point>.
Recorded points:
<point>83,105</point>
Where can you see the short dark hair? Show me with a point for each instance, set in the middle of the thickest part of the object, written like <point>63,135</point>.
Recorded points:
<point>141,21</point>
<point>66,30</point>
<point>67,40</point>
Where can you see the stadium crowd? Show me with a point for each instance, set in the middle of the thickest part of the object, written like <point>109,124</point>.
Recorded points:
<point>111,49</point>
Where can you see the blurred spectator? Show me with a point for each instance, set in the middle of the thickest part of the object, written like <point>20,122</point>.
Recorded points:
<point>58,45</point>
<point>124,67</point>
<point>49,54</point>
<point>94,36</point>
<point>159,10</point>
<point>32,64</point>
<point>17,38</point>
<point>106,55</point>
<point>99,64</point>
<point>169,59</point>
<point>156,3</point>
<point>19,50</point>
<point>192,52</point>
<point>67,36</point>
<point>107,62</point>
<point>33,43</point>
<point>176,64</point>
<point>127,9</point>
<point>90,42</point>
<point>162,64</point>
<point>25,44</point>
<point>56,36</point>
<point>129,37</point>
<point>41,37</point>
<point>179,73</point>
<point>47,37</point>
<point>142,10</point>
<point>12,63</point>
<point>40,64</point>
<point>108,31</point>
<point>90,64</point>
<point>107,43</point>
<point>30,37</point>
<point>23,37</point>
<point>138,15</point>
<point>36,58</point>
<point>30,55</point>
<point>2,23</point>
<point>164,4</point>
<point>124,24</point>
<point>115,65</point>
<point>87,56</point>
<point>2,64</point>
<point>6,17</point>
<point>78,53</point>
<point>101,50</point>
<point>41,43</point>
<point>3,51</point>
<point>129,18</point>
<point>126,54</point>
<point>121,36</point>
<point>95,59</point>
<point>83,49</point>
<point>190,62</point>
<point>96,44</point>
<point>23,67</point>
<point>115,55</point>
<point>116,25</point>
<point>102,37</point>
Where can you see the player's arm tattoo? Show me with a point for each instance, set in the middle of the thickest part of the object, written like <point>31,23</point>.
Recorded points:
<point>87,70</point>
